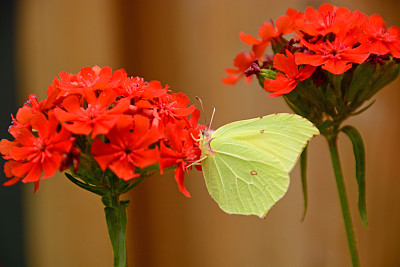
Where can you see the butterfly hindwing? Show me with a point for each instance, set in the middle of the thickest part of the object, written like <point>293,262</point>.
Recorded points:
<point>243,179</point>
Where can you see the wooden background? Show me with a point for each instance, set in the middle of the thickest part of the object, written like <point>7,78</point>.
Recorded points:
<point>187,44</point>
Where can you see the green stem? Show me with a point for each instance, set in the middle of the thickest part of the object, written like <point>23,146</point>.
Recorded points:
<point>116,223</point>
<point>332,140</point>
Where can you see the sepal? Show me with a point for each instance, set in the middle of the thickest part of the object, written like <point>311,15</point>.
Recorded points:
<point>265,74</point>
<point>368,79</point>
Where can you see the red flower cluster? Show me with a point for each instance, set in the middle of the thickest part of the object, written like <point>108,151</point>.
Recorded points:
<point>331,38</point>
<point>123,123</point>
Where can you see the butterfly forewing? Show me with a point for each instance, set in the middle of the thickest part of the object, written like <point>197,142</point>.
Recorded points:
<point>282,135</point>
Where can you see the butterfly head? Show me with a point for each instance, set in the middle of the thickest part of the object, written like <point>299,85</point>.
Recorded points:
<point>205,142</point>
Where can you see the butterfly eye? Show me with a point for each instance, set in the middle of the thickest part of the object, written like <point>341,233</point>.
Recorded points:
<point>253,173</point>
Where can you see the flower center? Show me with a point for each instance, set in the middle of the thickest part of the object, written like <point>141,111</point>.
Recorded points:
<point>328,18</point>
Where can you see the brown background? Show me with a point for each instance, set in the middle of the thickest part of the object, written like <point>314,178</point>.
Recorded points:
<point>187,44</point>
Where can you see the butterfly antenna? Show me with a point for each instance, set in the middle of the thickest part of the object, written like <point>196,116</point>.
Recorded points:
<point>202,109</point>
<point>212,117</point>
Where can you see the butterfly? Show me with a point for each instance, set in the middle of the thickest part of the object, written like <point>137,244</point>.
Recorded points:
<point>246,164</point>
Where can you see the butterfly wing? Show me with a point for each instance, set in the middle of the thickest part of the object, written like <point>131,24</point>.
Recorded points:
<point>282,135</point>
<point>243,179</point>
<point>247,163</point>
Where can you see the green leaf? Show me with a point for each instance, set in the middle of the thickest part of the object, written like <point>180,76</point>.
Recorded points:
<point>101,191</point>
<point>325,125</point>
<point>363,109</point>
<point>137,181</point>
<point>247,163</point>
<point>359,153</point>
<point>303,173</point>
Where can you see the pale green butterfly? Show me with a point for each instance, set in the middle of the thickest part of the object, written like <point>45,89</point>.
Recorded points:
<point>246,163</point>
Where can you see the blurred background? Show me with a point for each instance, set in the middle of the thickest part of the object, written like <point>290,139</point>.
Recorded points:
<point>186,44</point>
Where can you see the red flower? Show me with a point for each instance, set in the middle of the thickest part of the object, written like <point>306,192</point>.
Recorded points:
<point>268,32</point>
<point>285,82</point>
<point>96,78</point>
<point>129,114</point>
<point>137,88</point>
<point>31,155</point>
<point>182,151</point>
<point>335,57</point>
<point>97,118</point>
<point>242,62</point>
<point>383,40</point>
<point>173,106</point>
<point>329,19</point>
<point>127,149</point>
<point>24,115</point>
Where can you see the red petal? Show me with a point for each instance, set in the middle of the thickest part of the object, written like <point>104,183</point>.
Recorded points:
<point>142,124</point>
<point>106,98</point>
<point>286,64</point>
<point>305,72</point>
<point>231,79</point>
<point>22,153</point>
<point>309,59</point>
<point>34,173</point>
<point>283,24</point>
<point>6,145</point>
<point>24,115</point>
<point>79,127</point>
<point>144,158</point>
<point>65,116</point>
<point>105,73</point>
<point>142,135</point>
<point>72,104</point>
<point>123,169</point>
<point>89,95</point>
<point>377,21</point>
<point>379,48</point>
<point>184,111</point>
<point>174,132</point>
<point>105,160</point>
<point>39,122</point>
<point>25,137</point>
<point>51,165</point>
<point>266,32</point>
<point>103,124</point>
<point>8,168</point>
<point>280,86</point>
<point>355,58</point>
<point>249,39</point>
<point>337,66</point>
<point>180,179</point>
<point>13,181</point>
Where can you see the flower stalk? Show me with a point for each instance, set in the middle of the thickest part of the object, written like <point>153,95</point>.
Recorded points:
<point>333,148</point>
<point>115,211</point>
